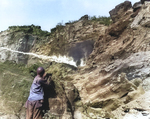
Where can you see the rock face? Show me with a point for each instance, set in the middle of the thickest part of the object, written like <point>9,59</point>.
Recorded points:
<point>142,1</point>
<point>142,18</point>
<point>119,10</point>
<point>76,36</point>
<point>23,44</point>
<point>75,41</point>
<point>111,84</point>
<point>123,48</point>
<point>137,6</point>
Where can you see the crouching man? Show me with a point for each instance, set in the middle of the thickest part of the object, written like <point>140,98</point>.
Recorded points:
<point>36,97</point>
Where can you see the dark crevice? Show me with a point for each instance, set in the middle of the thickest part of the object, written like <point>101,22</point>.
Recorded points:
<point>124,95</point>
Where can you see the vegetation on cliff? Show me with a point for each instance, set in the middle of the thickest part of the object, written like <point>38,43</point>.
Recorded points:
<point>101,20</point>
<point>16,79</point>
<point>32,29</point>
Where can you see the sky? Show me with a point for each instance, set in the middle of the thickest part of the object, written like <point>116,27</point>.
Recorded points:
<point>48,13</point>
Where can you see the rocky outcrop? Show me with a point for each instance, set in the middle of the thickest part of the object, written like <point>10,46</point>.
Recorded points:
<point>114,80</point>
<point>123,48</point>
<point>119,10</point>
<point>142,1</point>
<point>61,104</point>
<point>137,6</point>
<point>117,28</point>
<point>74,42</point>
<point>142,19</point>
<point>96,93</point>
<point>85,17</point>
<point>16,41</point>
<point>76,36</point>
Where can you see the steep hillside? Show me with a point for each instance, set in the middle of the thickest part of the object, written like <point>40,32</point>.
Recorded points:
<point>99,71</point>
<point>118,68</point>
<point>24,48</point>
<point>74,40</point>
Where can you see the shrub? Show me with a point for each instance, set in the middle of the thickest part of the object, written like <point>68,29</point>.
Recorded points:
<point>58,27</point>
<point>32,69</point>
<point>101,19</point>
<point>35,30</point>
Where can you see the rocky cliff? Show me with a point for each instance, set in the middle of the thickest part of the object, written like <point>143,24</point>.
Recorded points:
<point>98,71</point>
<point>61,53</point>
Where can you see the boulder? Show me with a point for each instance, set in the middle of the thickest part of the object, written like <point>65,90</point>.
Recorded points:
<point>95,93</point>
<point>119,10</point>
<point>60,99</point>
<point>137,6</point>
<point>142,1</point>
<point>85,17</point>
<point>143,17</point>
<point>117,28</point>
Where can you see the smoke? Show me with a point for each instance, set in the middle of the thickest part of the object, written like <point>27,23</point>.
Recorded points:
<point>81,50</point>
<point>59,59</point>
